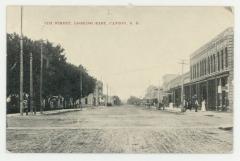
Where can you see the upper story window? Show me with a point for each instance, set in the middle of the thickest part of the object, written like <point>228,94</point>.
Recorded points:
<point>226,57</point>
<point>222,60</point>
<point>205,66</point>
<point>218,61</point>
<point>209,65</point>
<point>214,63</point>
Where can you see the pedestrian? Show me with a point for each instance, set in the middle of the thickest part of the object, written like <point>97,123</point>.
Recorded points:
<point>196,105</point>
<point>8,102</point>
<point>185,105</point>
<point>81,106</point>
<point>44,103</point>
<point>25,103</point>
<point>190,104</point>
<point>203,108</point>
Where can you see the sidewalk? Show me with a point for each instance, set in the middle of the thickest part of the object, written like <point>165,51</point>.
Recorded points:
<point>178,109</point>
<point>47,112</point>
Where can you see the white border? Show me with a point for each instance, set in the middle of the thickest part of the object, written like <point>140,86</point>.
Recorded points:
<point>85,157</point>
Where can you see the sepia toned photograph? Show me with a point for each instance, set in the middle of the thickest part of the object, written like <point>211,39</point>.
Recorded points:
<point>119,79</point>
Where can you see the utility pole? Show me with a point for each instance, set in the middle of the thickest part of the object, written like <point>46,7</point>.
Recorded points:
<point>31,86</point>
<point>80,89</point>
<point>41,75</point>
<point>107,95</point>
<point>158,93</point>
<point>21,67</point>
<point>182,88</point>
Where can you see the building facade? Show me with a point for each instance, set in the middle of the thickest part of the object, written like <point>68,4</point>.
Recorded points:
<point>211,69</point>
<point>151,95</point>
<point>173,89</point>
<point>210,77</point>
<point>96,98</point>
<point>98,94</point>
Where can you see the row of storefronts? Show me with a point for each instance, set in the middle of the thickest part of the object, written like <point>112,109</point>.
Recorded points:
<point>210,78</point>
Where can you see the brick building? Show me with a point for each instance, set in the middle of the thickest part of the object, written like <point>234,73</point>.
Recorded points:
<point>211,68</point>
<point>210,77</point>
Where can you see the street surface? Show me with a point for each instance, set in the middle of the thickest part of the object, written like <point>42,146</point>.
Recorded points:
<point>121,129</point>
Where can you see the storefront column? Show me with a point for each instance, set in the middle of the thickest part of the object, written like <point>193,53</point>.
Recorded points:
<point>220,93</point>
<point>227,96</point>
<point>173,97</point>
<point>197,91</point>
<point>207,101</point>
<point>190,92</point>
<point>216,95</point>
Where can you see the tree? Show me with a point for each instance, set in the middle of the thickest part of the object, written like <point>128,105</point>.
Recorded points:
<point>59,76</point>
<point>133,100</point>
<point>116,100</point>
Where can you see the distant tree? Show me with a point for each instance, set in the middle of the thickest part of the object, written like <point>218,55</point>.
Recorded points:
<point>117,100</point>
<point>133,100</point>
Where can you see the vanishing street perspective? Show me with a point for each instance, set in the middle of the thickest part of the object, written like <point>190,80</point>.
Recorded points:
<point>120,79</point>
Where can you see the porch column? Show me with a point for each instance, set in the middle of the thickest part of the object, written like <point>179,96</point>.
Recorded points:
<point>216,94</point>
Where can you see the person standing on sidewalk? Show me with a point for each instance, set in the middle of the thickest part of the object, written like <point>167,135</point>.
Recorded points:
<point>203,108</point>
<point>26,103</point>
<point>196,105</point>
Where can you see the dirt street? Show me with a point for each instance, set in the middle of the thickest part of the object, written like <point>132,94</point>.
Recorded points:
<point>123,129</point>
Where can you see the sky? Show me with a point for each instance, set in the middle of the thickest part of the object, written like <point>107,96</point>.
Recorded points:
<point>127,57</point>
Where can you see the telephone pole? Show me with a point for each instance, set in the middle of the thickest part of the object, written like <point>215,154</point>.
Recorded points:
<point>31,86</point>
<point>41,75</point>
<point>21,67</point>
<point>158,93</point>
<point>182,88</point>
<point>107,95</point>
<point>80,89</point>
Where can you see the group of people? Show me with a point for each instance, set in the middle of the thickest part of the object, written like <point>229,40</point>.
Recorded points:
<point>48,103</point>
<point>13,103</point>
<point>188,104</point>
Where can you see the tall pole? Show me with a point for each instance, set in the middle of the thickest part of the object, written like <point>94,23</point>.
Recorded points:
<point>31,85</point>
<point>107,94</point>
<point>41,75</point>
<point>182,88</point>
<point>80,89</point>
<point>21,67</point>
<point>158,92</point>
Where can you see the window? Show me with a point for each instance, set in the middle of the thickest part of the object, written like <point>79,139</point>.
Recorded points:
<point>205,71</point>
<point>218,61</point>
<point>222,61</point>
<point>191,72</point>
<point>209,70</point>
<point>211,64</point>
<point>200,68</point>
<point>214,63</point>
<point>226,57</point>
<point>194,71</point>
